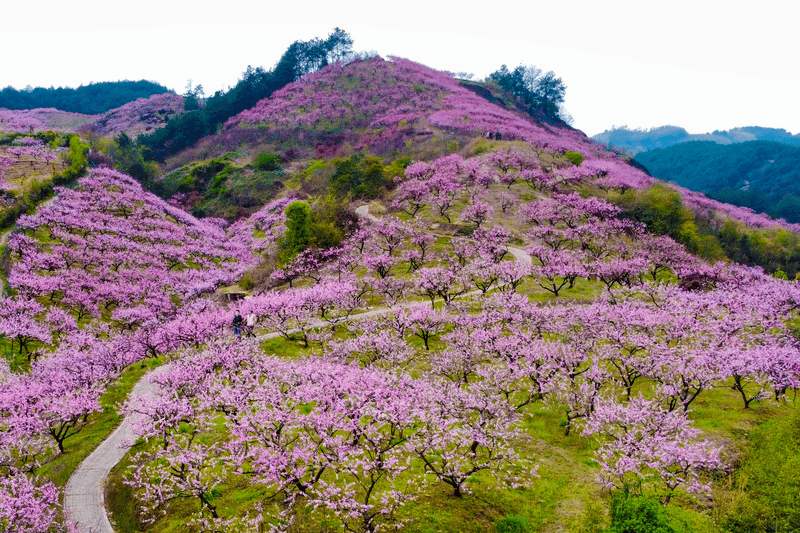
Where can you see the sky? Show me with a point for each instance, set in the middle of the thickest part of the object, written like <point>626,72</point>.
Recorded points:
<point>703,65</point>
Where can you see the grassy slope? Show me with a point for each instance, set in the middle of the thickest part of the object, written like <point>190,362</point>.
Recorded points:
<point>565,496</point>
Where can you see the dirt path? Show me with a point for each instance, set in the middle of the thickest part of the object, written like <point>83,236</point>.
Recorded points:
<point>84,500</point>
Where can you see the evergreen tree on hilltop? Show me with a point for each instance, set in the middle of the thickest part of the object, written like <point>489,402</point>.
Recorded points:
<point>539,92</point>
<point>255,84</point>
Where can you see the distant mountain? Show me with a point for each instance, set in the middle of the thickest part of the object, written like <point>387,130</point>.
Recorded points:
<point>761,175</point>
<point>635,141</point>
<point>92,99</point>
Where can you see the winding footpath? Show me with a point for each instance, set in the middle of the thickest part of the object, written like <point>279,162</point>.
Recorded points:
<point>84,496</point>
<point>84,501</point>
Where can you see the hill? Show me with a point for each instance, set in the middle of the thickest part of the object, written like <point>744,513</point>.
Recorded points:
<point>381,105</point>
<point>635,141</point>
<point>92,99</point>
<point>761,175</point>
<point>350,128</point>
<point>133,118</point>
<point>300,58</point>
<point>516,330</point>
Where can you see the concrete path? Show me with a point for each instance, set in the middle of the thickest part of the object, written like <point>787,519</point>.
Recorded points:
<point>363,212</point>
<point>84,496</point>
<point>521,255</point>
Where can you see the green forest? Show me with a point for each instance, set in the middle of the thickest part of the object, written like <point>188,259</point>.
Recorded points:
<point>761,175</point>
<point>92,99</point>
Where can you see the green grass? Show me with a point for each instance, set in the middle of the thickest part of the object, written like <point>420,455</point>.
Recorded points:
<point>763,493</point>
<point>549,499</point>
<point>283,347</point>
<point>16,357</point>
<point>584,290</point>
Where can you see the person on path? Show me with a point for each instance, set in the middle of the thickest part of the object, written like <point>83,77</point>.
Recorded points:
<point>237,324</point>
<point>251,324</point>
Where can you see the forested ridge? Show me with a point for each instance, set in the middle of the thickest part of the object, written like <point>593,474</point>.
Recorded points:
<point>761,175</point>
<point>633,141</point>
<point>92,99</point>
<point>204,116</point>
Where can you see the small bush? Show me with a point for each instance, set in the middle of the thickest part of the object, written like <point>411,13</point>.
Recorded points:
<point>204,173</point>
<point>77,157</point>
<point>396,168</point>
<point>247,283</point>
<point>39,190</point>
<point>268,162</point>
<point>298,234</point>
<point>512,523</point>
<point>661,209</point>
<point>638,514</point>
<point>574,157</point>
<point>481,146</point>
<point>359,176</point>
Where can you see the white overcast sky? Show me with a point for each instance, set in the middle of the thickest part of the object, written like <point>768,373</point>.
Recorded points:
<point>700,64</point>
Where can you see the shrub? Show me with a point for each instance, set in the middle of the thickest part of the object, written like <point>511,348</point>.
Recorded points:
<point>574,157</point>
<point>360,176</point>
<point>77,157</point>
<point>253,191</point>
<point>661,209</point>
<point>638,514</point>
<point>39,190</point>
<point>267,162</point>
<point>397,167</point>
<point>331,220</point>
<point>512,523</point>
<point>298,230</point>
<point>247,283</point>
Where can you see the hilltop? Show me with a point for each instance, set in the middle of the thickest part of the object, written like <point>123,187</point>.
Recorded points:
<point>380,105</point>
